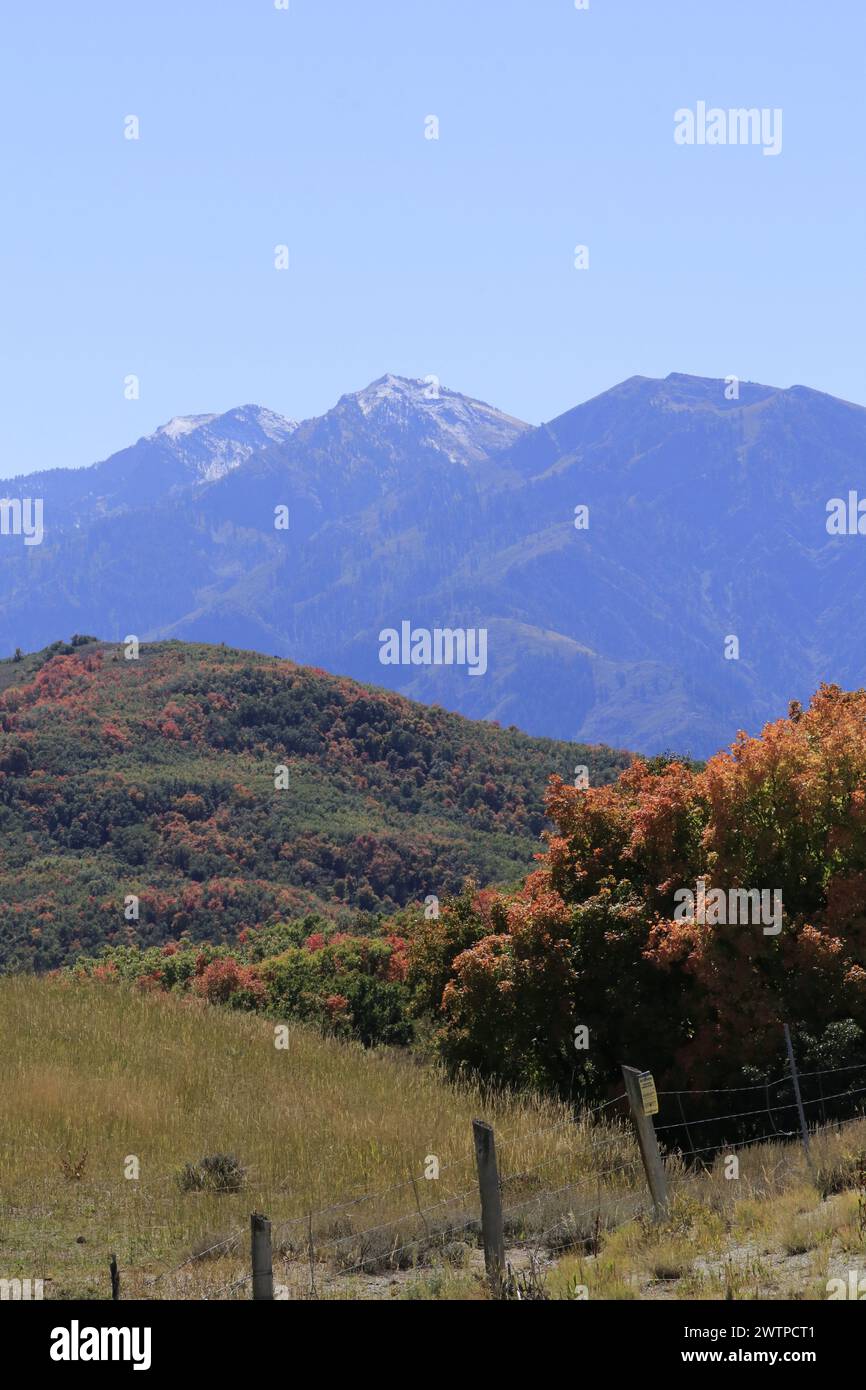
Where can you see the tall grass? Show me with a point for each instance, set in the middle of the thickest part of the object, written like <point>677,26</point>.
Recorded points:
<point>96,1077</point>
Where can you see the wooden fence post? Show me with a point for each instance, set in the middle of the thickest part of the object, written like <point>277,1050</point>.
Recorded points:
<point>263,1273</point>
<point>646,1138</point>
<point>804,1128</point>
<point>492,1232</point>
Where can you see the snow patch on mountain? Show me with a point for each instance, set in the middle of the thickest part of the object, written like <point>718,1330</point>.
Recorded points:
<point>213,445</point>
<point>181,425</point>
<point>464,429</point>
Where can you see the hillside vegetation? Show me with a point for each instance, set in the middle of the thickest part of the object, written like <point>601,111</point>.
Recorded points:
<point>156,778</point>
<point>668,906</point>
<point>93,1077</point>
<point>109,1102</point>
<point>611,932</point>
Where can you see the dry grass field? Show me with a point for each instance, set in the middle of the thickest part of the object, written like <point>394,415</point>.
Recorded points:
<point>333,1145</point>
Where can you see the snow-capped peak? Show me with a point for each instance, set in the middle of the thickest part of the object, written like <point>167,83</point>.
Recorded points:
<point>181,425</point>
<point>391,388</point>
<point>464,429</point>
<point>212,445</point>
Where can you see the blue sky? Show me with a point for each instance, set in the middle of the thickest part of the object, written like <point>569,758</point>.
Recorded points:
<point>453,256</point>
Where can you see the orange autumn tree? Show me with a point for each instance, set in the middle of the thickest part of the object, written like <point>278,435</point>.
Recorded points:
<point>643,920</point>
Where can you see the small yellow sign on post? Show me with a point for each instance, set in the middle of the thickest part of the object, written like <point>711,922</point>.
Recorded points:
<point>648,1093</point>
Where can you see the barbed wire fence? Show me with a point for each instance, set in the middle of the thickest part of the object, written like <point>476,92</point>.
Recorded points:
<point>573,1214</point>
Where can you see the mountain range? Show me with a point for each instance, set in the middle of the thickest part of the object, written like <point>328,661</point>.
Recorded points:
<point>705,521</point>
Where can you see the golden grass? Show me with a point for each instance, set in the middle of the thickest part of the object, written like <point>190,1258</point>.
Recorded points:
<point>334,1141</point>
<point>771,1233</point>
<point>114,1074</point>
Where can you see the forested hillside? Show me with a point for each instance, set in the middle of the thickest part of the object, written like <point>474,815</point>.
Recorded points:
<point>209,790</point>
<point>667,907</point>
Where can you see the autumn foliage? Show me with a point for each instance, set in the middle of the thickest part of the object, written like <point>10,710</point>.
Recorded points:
<point>155,778</point>
<point>344,984</point>
<point>598,936</point>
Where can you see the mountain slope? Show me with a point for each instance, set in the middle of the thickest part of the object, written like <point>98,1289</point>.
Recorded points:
<point>157,778</point>
<point>186,451</point>
<point>707,519</point>
<point>208,560</point>
<point>411,503</point>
